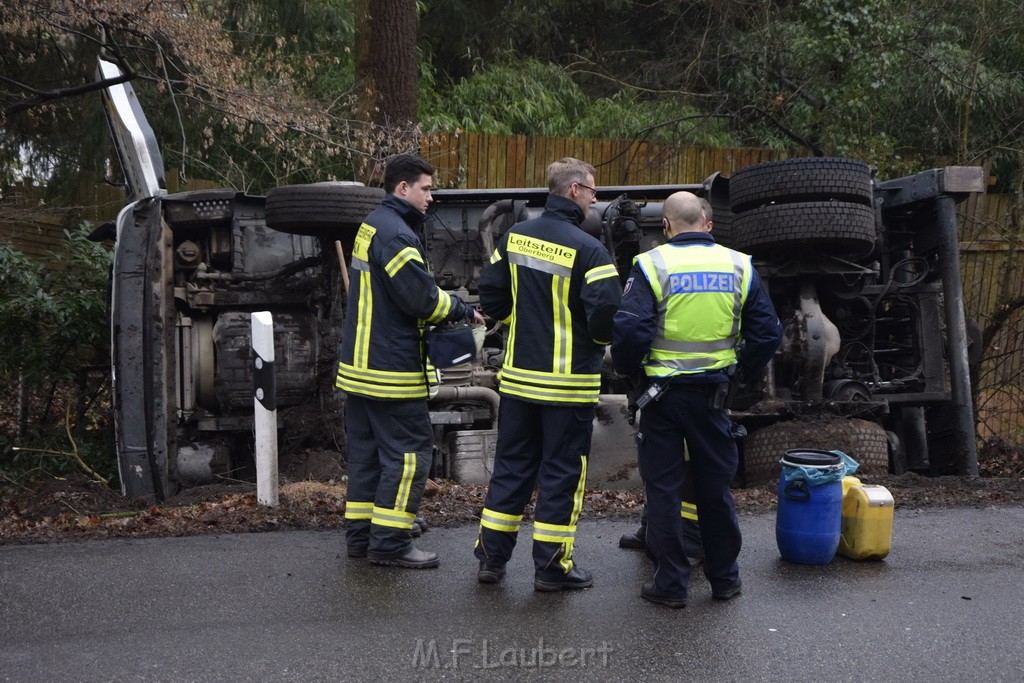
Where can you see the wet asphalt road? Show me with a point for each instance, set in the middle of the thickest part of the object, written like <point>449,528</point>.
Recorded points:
<point>946,605</point>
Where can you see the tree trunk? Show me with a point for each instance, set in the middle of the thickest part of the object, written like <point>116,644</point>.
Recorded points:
<point>386,79</point>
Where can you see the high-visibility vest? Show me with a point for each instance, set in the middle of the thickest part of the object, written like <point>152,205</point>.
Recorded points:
<point>700,290</point>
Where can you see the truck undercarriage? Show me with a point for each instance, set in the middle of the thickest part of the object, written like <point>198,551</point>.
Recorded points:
<point>863,273</point>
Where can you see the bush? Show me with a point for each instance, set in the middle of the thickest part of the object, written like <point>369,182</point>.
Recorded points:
<point>54,358</point>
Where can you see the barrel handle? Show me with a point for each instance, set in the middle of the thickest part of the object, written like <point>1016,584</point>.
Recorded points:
<point>797,490</point>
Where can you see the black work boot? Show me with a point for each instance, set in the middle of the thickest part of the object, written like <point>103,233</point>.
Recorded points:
<point>632,540</point>
<point>727,593</point>
<point>650,593</point>
<point>490,573</point>
<point>419,527</point>
<point>410,558</point>
<point>550,580</point>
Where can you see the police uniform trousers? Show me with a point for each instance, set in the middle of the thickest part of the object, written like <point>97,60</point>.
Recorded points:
<point>681,419</point>
<point>692,544</point>
<point>390,448</point>
<point>547,446</point>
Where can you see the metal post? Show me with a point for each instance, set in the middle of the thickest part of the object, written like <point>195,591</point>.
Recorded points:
<point>265,405</point>
<point>956,331</point>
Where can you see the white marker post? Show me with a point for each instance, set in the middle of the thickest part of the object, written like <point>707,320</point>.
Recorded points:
<point>265,405</point>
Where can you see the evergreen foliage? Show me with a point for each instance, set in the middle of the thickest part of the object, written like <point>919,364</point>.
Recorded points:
<point>53,329</point>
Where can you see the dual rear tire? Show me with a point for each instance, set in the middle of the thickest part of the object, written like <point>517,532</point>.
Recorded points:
<point>810,205</point>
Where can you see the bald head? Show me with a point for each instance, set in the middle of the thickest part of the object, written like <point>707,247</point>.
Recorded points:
<point>686,212</point>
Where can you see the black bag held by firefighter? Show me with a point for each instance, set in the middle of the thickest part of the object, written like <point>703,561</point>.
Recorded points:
<point>449,345</point>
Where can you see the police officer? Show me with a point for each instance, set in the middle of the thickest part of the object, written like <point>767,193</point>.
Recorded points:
<point>693,314</point>
<point>557,289</point>
<point>382,370</point>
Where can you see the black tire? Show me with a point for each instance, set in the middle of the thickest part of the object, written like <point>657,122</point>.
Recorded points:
<point>864,441</point>
<point>837,228</point>
<point>327,210</point>
<point>800,180</point>
<point>721,228</point>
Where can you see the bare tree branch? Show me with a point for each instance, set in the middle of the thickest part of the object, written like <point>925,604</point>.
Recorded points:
<point>43,96</point>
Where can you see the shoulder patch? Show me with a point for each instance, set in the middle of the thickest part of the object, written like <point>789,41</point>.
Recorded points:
<point>629,283</point>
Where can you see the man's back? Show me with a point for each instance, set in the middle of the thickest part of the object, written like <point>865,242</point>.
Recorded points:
<point>558,289</point>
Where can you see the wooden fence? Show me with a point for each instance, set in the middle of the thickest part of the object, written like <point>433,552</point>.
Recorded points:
<point>992,262</point>
<point>473,160</point>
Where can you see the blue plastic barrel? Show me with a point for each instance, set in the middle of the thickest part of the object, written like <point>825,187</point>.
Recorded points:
<point>809,518</point>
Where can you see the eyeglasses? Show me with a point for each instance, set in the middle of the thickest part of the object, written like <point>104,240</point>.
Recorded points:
<point>588,187</point>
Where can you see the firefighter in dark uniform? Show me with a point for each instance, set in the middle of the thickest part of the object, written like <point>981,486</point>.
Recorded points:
<point>557,289</point>
<point>694,314</point>
<point>382,370</point>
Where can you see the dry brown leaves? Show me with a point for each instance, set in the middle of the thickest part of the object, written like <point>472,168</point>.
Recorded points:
<point>77,509</point>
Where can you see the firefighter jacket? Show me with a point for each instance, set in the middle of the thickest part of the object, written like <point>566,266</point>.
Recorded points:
<point>691,310</point>
<point>390,297</point>
<point>557,288</point>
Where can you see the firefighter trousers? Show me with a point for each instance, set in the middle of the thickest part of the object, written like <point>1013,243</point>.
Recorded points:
<point>390,448</point>
<point>545,446</point>
<point>681,419</point>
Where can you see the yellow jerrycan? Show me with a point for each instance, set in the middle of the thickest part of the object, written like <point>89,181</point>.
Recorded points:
<point>866,532</point>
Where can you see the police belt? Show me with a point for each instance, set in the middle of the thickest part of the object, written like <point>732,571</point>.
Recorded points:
<point>695,387</point>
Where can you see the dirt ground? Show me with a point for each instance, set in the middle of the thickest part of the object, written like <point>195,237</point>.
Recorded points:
<point>312,496</point>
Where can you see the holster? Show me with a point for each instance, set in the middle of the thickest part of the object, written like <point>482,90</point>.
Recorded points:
<point>637,386</point>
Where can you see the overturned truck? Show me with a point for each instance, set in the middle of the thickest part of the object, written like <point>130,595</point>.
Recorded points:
<point>864,274</point>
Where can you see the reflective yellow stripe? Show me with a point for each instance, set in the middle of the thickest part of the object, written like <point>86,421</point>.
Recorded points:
<point>380,383</point>
<point>361,246</point>
<point>558,314</point>
<point>361,355</point>
<point>444,305</point>
<point>405,485</point>
<point>396,519</point>
<point>499,521</point>
<point>501,515</point>
<point>561,351</point>
<point>400,259</point>
<point>688,511</point>
<point>576,380</point>
<point>495,256</point>
<point>354,510</point>
<point>566,360</point>
<point>514,388</point>
<point>553,533</point>
<point>376,391</point>
<point>566,559</point>
<point>600,273</point>
<point>577,499</point>
<point>510,345</point>
<point>548,395</point>
<point>549,386</point>
<point>577,508</point>
<point>397,377</point>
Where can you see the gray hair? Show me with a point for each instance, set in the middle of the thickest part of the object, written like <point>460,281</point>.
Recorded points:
<point>564,172</point>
